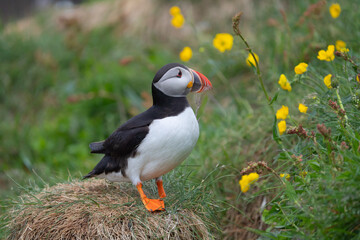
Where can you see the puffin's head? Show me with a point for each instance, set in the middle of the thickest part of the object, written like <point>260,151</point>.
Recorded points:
<point>177,80</point>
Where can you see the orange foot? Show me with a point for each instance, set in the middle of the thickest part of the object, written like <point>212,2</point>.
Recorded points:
<point>153,205</point>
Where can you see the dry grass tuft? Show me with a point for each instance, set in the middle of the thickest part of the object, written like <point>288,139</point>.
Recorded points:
<point>96,209</point>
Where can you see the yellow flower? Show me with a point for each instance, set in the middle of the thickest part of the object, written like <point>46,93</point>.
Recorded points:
<point>247,180</point>
<point>185,54</point>
<point>303,173</point>
<point>301,68</point>
<point>223,41</point>
<point>287,176</point>
<point>327,55</point>
<point>335,10</point>
<point>303,108</point>
<point>341,46</point>
<point>358,78</point>
<point>174,10</point>
<point>253,177</point>
<point>327,81</point>
<point>250,60</point>
<point>282,113</point>
<point>284,83</point>
<point>282,127</point>
<point>178,20</point>
<point>322,56</point>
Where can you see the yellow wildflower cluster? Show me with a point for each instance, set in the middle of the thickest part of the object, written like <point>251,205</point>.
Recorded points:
<point>358,78</point>
<point>284,83</point>
<point>282,113</point>
<point>178,19</point>
<point>303,108</point>
<point>287,176</point>
<point>223,41</point>
<point>250,59</point>
<point>186,54</point>
<point>301,68</point>
<point>341,46</point>
<point>335,10</point>
<point>327,80</point>
<point>327,55</point>
<point>246,180</point>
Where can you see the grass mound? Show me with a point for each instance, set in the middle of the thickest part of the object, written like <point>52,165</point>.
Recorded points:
<point>97,209</point>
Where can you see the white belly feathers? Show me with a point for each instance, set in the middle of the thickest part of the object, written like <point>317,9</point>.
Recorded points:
<point>169,142</point>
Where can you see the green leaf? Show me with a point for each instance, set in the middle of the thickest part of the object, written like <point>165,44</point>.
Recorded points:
<point>274,98</point>
<point>314,165</point>
<point>267,235</point>
<point>276,135</point>
<point>290,192</point>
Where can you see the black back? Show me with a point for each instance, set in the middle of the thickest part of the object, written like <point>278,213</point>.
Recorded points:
<point>123,143</point>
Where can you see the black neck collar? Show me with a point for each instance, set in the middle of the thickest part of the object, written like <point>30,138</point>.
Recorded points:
<point>162,100</point>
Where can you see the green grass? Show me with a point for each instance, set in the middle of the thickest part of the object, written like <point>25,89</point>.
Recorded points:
<point>58,93</point>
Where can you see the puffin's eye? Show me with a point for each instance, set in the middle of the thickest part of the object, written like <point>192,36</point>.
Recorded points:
<point>179,74</point>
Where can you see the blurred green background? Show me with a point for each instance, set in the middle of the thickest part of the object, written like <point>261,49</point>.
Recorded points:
<point>71,74</point>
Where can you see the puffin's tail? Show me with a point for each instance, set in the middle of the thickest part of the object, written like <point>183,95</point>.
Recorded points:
<point>99,168</point>
<point>89,175</point>
<point>97,147</point>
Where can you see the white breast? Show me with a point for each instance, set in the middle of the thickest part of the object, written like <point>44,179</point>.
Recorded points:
<point>169,142</point>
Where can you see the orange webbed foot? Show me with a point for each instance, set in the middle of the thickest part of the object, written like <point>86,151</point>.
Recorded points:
<point>153,205</point>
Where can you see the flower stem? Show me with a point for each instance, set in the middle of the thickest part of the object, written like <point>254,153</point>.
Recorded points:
<point>236,29</point>
<point>341,105</point>
<point>236,22</point>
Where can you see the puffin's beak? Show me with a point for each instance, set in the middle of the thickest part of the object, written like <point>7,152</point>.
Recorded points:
<point>201,83</point>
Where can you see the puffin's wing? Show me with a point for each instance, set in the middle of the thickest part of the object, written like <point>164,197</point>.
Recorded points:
<point>125,140</point>
<point>122,143</point>
<point>117,148</point>
<point>142,120</point>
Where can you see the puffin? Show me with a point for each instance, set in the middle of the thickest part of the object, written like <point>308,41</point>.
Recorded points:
<point>151,144</point>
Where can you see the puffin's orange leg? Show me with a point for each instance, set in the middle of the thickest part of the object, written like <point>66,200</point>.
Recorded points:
<point>161,190</point>
<point>151,205</point>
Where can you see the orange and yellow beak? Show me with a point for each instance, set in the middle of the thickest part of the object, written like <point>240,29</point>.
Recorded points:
<point>201,83</point>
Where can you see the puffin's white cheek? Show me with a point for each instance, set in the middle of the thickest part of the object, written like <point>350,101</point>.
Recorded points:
<point>175,88</point>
